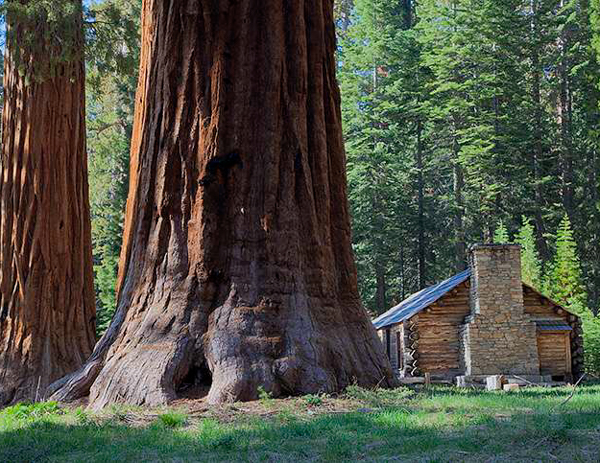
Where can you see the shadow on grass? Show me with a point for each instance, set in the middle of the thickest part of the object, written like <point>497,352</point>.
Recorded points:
<point>378,435</point>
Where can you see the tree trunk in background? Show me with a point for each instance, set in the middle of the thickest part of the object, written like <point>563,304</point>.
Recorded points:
<point>460,246</point>
<point>407,8</point>
<point>564,120</point>
<point>421,205</point>
<point>403,284</point>
<point>592,192</point>
<point>381,293</point>
<point>540,226</point>
<point>236,256</point>
<point>47,311</point>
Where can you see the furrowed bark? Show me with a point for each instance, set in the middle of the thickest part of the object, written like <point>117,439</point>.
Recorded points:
<point>237,264</point>
<point>47,309</point>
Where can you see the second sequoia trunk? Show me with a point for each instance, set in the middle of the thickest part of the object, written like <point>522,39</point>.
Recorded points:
<point>47,311</point>
<point>237,256</point>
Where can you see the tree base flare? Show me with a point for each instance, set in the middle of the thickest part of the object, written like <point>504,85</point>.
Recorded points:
<point>243,350</point>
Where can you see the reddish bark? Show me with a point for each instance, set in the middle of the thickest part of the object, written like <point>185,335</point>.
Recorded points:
<point>237,255</point>
<point>47,311</point>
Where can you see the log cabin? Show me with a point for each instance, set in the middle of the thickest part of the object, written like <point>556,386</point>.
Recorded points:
<point>481,322</point>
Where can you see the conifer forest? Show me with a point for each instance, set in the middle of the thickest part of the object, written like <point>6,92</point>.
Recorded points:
<point>202,190</point>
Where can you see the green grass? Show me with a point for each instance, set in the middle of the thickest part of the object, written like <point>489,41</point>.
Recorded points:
<point>436,425</point>
<point>172,419</point>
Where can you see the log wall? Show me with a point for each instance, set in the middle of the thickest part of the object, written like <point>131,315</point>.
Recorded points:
<point>560,353</point>
<point>554,351</point>
<point>540,307</point>
<point>438,327</point>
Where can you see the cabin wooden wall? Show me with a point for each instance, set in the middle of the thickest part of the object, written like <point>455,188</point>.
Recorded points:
<point>438,328</point>
<point>540,307</point>
<point>554,351</point>
<point>560,352</point>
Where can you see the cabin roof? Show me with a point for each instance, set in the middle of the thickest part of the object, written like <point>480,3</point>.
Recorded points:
<point>424,298</point>
<point>419,301</point>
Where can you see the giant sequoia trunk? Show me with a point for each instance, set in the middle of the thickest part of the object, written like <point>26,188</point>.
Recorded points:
<point>47,312</point>
<point>236,264</point>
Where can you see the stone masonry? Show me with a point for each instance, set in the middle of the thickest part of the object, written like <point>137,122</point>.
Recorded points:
<point>498,337</point>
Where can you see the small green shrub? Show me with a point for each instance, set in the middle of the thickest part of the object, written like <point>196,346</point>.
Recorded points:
<point>172,419</point>
<point>315,400</point>
<point>286,416</point>
<point>264,395</point>
<point>118,413</point>
<point>26,410</point>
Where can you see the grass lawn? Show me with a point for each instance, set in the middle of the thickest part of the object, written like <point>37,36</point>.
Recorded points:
<point>439,424</point>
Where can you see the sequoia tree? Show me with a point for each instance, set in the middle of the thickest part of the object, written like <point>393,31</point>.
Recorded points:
<point>237,267</point>
<point>47,312</point>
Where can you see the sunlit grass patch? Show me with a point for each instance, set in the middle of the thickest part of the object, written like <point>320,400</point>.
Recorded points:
<point>437,424</point>
<point>172,419</point>
<point>24,411</point>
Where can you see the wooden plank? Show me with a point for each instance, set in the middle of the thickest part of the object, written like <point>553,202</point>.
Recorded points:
<point>439,344</point>
<point>541,311</point>
<point>552,352</point>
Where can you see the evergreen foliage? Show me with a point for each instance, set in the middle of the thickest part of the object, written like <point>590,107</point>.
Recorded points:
<point>564,284</point>
<point>564,280</point>
<point>55,37</point>
<point>111,85</point>
<point>111,34</point>
<point>530,260</point>
<point>501,234</point>
<point>475,112</point>
<point>591,341</point>
<point>379,61</point>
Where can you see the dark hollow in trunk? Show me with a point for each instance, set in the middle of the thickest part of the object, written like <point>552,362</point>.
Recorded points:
<point>47,311</point>
<point>237,252</point>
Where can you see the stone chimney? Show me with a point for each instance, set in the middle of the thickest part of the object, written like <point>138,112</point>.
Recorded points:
<point>498,337</point>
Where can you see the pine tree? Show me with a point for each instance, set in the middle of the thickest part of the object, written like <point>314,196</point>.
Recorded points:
<point>530,260</point>
<point>565,285</point>
<point>501,234</point>
<point>564,280</point>
<point>473,49</point>
<point>383,84</point>
<point>442,35</point>
<point>586,139</point>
